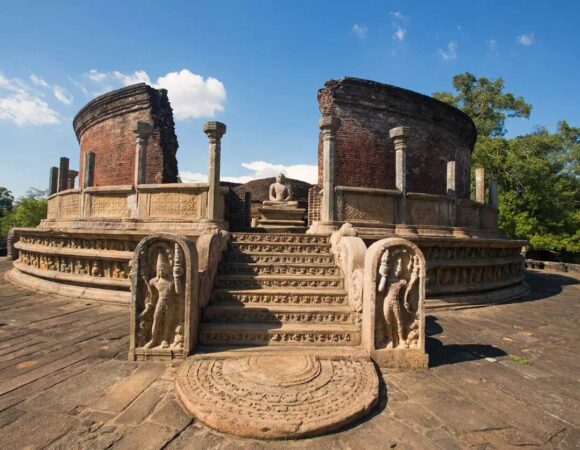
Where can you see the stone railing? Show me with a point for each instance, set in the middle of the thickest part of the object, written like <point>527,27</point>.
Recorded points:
<point>147,202</point>
<point>380,208</point>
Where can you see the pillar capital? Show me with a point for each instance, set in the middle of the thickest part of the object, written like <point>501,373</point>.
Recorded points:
<point>214,130</point>
<point>142,130</point>
<point>329,124</point>
<point>399,136</point>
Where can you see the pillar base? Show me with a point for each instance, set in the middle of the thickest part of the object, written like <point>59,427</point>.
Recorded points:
<point>323,227</point>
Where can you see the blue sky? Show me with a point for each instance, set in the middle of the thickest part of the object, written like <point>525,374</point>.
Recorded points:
<point>256,66</point>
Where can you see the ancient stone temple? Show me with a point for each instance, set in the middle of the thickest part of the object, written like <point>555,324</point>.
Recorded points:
<point>276,297</point>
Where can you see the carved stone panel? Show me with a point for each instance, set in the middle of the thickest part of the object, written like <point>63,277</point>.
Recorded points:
<point>394,304</point>
<point>173,204</point>
<point>164,304</point>
<point>70,206</point>
<point>114,206</point>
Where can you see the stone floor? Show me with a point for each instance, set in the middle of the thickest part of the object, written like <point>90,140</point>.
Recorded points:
<point>501,377</point>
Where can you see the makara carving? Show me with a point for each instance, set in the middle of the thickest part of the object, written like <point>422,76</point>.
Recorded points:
<point>164,294</point>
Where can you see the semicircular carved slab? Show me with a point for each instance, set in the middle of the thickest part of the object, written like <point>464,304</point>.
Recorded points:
<point>277,397</point>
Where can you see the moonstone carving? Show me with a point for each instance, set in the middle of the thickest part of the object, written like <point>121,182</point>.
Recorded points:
<point>394,304</point>
<point>164,312</point>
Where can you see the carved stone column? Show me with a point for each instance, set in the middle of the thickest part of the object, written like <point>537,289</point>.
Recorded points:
<point>53,181</point>
<point>328,126</point>
<point>451,179</point>
<point>142,132</point>
<point>72,175</point>
<point>63,174</point>
<point>493,197</point>
<point>480,185</point>
<point>89,170</point>
<point>214,132</point>
<point>399,136</point>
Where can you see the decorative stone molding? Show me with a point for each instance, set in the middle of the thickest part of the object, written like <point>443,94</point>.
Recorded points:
<point>393,330</point>
<point>210,248</point>
<point>164,301</point>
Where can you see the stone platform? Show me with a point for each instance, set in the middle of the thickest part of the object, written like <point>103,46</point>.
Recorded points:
<point>501,377</point>
<point>282,217</point>
<point>277,395</point>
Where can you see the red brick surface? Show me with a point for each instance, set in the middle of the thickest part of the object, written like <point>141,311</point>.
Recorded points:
<point>105,126</point>
<point>365,155</point>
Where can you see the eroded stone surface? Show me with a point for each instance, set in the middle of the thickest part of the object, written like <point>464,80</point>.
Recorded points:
<point>277,396</point>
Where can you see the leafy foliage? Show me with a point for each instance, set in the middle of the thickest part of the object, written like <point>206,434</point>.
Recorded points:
<point>485,102</point>
<point>28,211</point>
<point>6,201</point>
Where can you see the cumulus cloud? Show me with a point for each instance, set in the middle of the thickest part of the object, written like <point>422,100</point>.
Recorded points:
<point>20,104</point>
<point>359,31</point>
<point>62,95</point>
<point>526,39</point>
<point>191,95</point>
<point>450,53</point>
<point>261,169</point>
<point>399,33</point>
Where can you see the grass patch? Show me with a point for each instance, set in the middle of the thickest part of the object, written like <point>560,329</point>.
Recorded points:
<point>521,360</point>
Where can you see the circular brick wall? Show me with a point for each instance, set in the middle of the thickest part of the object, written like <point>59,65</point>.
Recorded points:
<point>365,156</point>
<point>105,127</point>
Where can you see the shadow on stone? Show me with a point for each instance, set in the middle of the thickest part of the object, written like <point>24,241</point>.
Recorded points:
<point>545,285</point>
<point>440,354</point>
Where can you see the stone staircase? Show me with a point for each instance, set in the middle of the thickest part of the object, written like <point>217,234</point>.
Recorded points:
<point>279,289</point>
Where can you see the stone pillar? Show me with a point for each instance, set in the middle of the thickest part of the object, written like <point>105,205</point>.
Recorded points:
<point>328,125</point>
<point>53,181</point>
<point>399,136</point>
<point>63,174</point>
<point>89,170</point>
<point>451,179</point>
<point>214,132</point>
<point>493,200</point>
<point>480,185</point>
<point>142,132</point>
<point>72,175</point>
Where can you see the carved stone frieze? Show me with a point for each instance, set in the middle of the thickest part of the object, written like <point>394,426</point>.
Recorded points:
<point>109,205</point>
<point>250,282</point>
<point>236,297</point>
<point>394,304</point>
<point>173,204</point>
<point>276,337</point>
<point>164,309</point>
<point>279,238</point>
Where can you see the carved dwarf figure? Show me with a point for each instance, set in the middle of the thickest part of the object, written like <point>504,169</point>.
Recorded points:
<point>398,310</point>
<point>280,192</point>
<point>161,303</point>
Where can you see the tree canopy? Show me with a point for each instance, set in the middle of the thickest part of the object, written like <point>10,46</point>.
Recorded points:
<point>27,211</point>
<point>538,173</point>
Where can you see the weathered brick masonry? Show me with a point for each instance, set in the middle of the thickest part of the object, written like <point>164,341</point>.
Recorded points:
<point>105,126</point>
<point>365,156</point>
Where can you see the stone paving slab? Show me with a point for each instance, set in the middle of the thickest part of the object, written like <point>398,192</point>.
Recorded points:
<point>504,377</point>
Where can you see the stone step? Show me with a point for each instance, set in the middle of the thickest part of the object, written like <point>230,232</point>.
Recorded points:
<point>338,314</point>
<point>279,247</point>
<point>278,269</point>
<point>266,297</point>
<point>269,258</point>
<point>277,281</point>
<point>279,238</point>
<point>272,334</point>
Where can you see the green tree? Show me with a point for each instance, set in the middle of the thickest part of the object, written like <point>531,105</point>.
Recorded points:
<point>28,211</point>
<point>485,102</point>
<point>6,201</point>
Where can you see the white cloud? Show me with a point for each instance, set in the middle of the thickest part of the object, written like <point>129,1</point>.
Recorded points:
<point>20,104</point>
<point>492,44</point>
<point>261,169</point>
<point>191,95</point>
<point>450,53</point>
<point>38,81</point>
<point>526,39</point>
<point>399,33</point>
<point>62,95</point>
<point>359,30</point>
<point>397,15</point>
